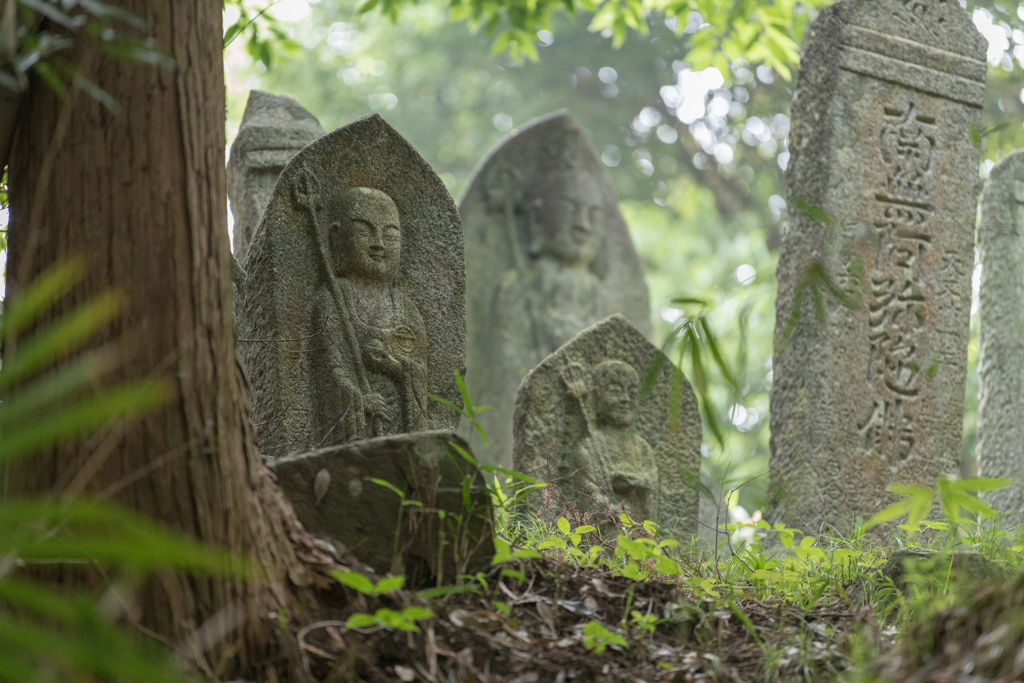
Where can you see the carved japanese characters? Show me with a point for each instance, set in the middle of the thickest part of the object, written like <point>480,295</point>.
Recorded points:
<point>874,272</point>
<point>548,254</point>
<point>1001,333</point>
<point>354,301</point>
<point>585,423</point>
<point>273,130</point>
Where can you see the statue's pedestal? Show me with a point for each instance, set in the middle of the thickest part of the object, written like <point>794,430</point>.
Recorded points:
<point>448,531</point>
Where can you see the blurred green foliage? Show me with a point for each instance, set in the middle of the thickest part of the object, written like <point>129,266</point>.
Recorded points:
<point>50,393</point>
<point>696,154</point>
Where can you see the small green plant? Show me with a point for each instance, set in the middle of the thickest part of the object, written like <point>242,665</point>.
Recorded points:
<point>645,623</point>
<point>49,390</point>
<point>362,583</point>
<point>575,536</point>
<point>389,618</point>
<point>597,637</point>
<point>468,409</point>
<point>403,503</point>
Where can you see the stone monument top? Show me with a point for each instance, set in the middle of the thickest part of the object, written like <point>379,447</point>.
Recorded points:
<point>273,129</point>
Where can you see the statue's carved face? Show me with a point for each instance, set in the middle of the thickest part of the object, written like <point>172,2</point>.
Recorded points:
<point>366,238</point>
<point>616,388</point>
<point>566,216</point>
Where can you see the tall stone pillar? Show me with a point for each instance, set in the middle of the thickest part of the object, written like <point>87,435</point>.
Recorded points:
<point>1001,332</point>
<point>874,274</point>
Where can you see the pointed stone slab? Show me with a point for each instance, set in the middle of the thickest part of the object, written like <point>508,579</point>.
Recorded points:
<point>874,279</point>
<point>1001,334</point>
<point>333,496</point>
<point>576,427</point>
<point>522,304</point>
<point>295,345</point>
<point>273,129</point>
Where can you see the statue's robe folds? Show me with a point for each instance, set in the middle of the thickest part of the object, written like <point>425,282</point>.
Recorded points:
<point>341,405</point>
<point>534,313</point>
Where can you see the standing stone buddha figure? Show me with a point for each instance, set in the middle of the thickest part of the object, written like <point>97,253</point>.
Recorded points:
<point>368,346</point>
<point>547,255</point>
<point>354,298</point>
<point>543,306</point>
<point>615,461</point>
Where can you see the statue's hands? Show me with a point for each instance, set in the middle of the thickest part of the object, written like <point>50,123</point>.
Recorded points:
<point>380,360</point>
<point>305,190</point>
<point>629,484</point>
<point>376,408</point>
<point>575,377</point>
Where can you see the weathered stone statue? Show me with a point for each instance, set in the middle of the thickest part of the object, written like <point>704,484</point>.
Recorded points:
<point>874,281</point>
<point>354,301</point>
<point>548,254</point>
<point>384,391</point>
<point>584,423</point>
<point>1001,333</point>
<point>273,130</point>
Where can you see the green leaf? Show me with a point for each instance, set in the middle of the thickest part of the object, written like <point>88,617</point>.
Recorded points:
<point>389,583</point>
<point>510,473</point>
<point>44,290</point>
<point>356,581</point>
<point>563,525</point>
<point>469,457</point>
<point>442,591</point>
<point>95,531</point>
<point>814,212</point>
<point>415,613</point>
<point>465,393</point>
<point>449,404</point>
<point>60,338</point>
<point>388,485</point>
<point>360,620</point>
<point>84,417</point>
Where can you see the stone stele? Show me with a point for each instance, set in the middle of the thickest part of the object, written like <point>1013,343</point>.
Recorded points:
<point>547,254</point>
<point>333,496</point>
<point>874,278</point>
<point>273,130</point>
<point>354,308</point>
<point>611,422</point>
<point>1001,332</point>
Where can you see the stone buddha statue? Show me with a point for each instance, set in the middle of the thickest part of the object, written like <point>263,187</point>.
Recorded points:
<point>617,464</point>
<point>368,344</point>
<point>542,306</point>
<point>565,219</point>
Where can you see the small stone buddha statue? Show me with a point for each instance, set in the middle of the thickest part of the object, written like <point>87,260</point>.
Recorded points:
<point>368,368</point>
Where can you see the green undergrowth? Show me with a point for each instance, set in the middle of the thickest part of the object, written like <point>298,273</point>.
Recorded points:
<point>769,603</point>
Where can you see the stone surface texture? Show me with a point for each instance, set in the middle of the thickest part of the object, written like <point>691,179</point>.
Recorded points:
<point>333,497</point>
<point>273,129</point>
<point>354,303</point>
<point>1001,333</point>
<point>610,422</point>
<point>547,254</point>
<point>874,278</point>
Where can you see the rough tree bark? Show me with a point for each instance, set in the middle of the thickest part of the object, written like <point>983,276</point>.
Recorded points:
<point>141,194</point>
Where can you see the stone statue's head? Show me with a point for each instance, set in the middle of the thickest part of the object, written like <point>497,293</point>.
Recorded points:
<point>616,389</point>
<point>365,235</point>
<point>565,216</point>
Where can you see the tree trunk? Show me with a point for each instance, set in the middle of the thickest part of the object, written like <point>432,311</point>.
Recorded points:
<point>141,194</point>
